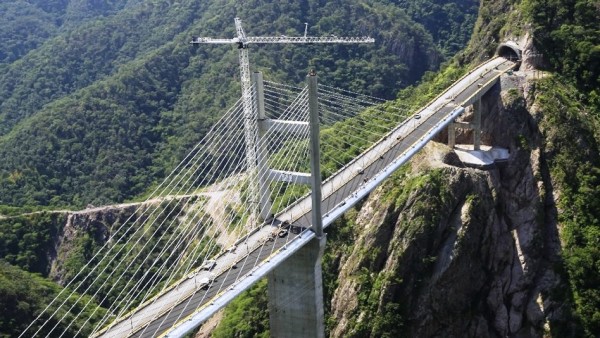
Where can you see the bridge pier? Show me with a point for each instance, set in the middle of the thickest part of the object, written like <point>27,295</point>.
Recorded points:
<point>295,291</point>
<point>451,135</point>
<point>475,126</point>
<point>295,287</point>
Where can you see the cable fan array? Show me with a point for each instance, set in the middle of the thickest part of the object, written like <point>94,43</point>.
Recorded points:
<point>202,209</point>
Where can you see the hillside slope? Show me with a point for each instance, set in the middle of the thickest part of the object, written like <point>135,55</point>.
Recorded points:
<point>445,250</point>
<point>456,251</point>
<point>127,85</point>
<point>438,250</point>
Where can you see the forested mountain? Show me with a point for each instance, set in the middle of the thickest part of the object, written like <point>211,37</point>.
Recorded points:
<point>26,24</point>
<point>99,99</point>
<point>107,81</point>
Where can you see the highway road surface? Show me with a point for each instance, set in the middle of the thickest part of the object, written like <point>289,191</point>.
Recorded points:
<point>250,260</point>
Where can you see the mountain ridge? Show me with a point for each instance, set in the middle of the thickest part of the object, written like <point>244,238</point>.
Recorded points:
<point>548,119</point>
<point>159,88</point>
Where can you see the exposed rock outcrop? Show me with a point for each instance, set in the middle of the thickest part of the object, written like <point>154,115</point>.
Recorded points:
<point>455,252</point>
<point>93,225</point>
<point>87,230</point>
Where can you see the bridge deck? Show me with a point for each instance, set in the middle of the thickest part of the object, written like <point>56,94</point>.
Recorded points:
<point>187,305</point>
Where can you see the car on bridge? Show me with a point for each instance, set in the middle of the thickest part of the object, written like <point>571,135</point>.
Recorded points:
<point>284,225</point>
<point>295,229</point>
<point>205,282</point>
<point>208,264</point>
<point>278,232</point>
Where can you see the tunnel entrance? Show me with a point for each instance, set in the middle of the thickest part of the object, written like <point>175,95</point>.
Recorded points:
<point>509,50</point>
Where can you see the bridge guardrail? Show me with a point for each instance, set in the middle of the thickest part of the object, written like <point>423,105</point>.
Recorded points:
<point>405,122</point>
<point>263,225</point>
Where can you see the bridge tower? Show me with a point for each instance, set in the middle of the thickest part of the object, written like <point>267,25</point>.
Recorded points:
<point>251,118</point>
<point>295,286</point>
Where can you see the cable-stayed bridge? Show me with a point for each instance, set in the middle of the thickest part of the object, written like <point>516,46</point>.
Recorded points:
<point>179,260</point>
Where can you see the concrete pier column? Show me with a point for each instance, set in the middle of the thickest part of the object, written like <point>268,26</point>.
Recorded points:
<point>295,287</point>
<point>477,124</point>
<point>451,135</point>
<point>295,292</point>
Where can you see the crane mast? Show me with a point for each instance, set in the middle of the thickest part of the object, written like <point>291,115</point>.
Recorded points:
<point>250,124</point>
<point>250,115</point>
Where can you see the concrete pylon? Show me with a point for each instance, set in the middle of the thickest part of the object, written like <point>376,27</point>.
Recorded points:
<point>295,287</point>
<point>262,153</point>
<point>295,291</point>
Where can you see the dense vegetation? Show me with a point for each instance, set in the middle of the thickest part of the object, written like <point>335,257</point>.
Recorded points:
<point>88,94</point>
<point>246,316</point>
<point>99,100</point>
<point>566,32</point>
<point>28,241</point>
<point>572,144</point>
<point>27,24</point>
<point>24,295</point>
<point>452,21</point>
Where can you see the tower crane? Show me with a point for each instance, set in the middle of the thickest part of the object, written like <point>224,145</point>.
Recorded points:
<point>250,119</point>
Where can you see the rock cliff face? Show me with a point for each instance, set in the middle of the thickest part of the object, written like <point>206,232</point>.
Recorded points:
<point>91,226</point>
<point>447,251</point>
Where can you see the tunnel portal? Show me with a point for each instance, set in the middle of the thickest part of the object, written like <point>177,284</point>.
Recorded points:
<point>509,50</point>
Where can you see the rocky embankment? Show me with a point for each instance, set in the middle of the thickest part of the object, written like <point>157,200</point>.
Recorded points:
<point>442,250</point>
<point>92,225</point>
<point>85,231</point>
